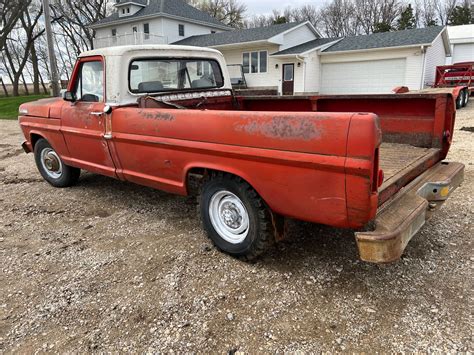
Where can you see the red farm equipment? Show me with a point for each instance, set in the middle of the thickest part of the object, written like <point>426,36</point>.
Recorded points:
<point>459,76</point>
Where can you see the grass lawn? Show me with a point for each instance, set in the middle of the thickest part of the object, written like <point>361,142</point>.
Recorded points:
<point>9,105</point>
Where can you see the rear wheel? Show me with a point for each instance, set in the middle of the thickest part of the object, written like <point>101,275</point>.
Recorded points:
<point>235,217</point>
<point>51,166</point>
<point>460,100</point>
<point>466,97</point>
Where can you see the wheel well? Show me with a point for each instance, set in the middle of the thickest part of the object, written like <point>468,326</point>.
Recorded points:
<point>35,138</point>
<point>196,177</point>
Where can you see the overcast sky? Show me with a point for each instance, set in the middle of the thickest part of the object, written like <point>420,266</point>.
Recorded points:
<point>258,7</point>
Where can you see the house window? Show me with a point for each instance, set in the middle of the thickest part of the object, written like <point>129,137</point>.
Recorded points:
<point>123,11</point>
<point>114,35</point>
<point>246,62</point>
<point>212,31</point>
<point>128,10</point>
<point>181,30</point>
<point>255,62</point>
<point>146,30</point>
<point>134,29</point>
<point>263,61</point>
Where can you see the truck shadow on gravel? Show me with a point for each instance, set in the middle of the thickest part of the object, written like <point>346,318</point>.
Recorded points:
<point>306,244</point>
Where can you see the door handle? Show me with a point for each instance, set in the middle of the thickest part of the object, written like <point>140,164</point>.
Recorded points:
<point>96,113</point>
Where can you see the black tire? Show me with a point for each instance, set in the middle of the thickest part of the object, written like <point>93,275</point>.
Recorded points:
<point>460,100</point>
<point>60,174</point>
<point>260,232</point>
<point>466,97</point>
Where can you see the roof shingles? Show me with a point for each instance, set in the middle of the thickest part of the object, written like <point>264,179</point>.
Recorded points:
<point>237,36</point>
<point>404,38</point>
<point>304,47</point>
<point>177,8</point>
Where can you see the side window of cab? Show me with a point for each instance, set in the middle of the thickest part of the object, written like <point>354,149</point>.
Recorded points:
<point>89,85</point>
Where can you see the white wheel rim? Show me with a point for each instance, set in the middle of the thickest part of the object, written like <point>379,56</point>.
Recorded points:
<point>229,217</point>
<point>51,163</point>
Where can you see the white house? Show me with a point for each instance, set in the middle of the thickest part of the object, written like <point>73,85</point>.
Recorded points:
<point>294,59</point>
<point>153,22</point>
<point>462,43</point>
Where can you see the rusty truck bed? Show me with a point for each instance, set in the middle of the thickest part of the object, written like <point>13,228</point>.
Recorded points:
<point>416,128</point>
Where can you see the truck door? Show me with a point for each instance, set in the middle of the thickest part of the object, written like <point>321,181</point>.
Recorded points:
<point>83,120</point>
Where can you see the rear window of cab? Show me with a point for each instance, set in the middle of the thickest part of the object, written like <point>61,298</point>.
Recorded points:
<point>153,75</point>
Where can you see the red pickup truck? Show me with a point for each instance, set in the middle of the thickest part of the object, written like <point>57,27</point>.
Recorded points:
<point>166,117</point>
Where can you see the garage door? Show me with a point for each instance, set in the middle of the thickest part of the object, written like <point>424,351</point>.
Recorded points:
<point>375,76</point>
<point>463,52</point>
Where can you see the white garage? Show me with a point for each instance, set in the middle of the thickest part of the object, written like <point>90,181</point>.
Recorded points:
<point>462,43</point>
<point>372,76</point>
<point>379,62</point>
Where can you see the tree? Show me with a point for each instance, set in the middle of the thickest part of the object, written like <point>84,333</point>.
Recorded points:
<point>279,20</point>
<point>338,19</point>
<point>382,27</point>
<point>306,13</point>
<point>73,17</point>
<point>10,12</point>
<point>426,13</point>
<point>376,15</point>
<point>229,12</point>
<point>461,15</point>
<point>444,9</point>
<point>407,19</point>
<point>17,51</point>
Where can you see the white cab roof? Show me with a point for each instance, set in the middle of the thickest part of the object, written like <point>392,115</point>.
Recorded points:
<point>169,49</point>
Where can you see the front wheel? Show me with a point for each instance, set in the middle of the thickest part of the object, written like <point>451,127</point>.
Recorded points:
<point>51,166</point>
<point>235,217</point>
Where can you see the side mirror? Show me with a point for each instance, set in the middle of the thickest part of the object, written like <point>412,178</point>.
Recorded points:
<point>69,96</point>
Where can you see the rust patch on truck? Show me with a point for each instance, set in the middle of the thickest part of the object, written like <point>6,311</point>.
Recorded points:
<point>282,127</point>
<point>161,116</point>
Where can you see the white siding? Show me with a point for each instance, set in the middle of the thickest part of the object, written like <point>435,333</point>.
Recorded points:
<point>127,28</point>
<point>312,68</point>
<point>161,26</point>
<point>412,56</point>
<point>170,29</point>
<point>435,55</point>
<point>297,36</point>
<point>272,78</point>
<point>463,52</point>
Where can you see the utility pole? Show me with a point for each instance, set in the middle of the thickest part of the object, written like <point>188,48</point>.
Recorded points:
<point>52,58</point>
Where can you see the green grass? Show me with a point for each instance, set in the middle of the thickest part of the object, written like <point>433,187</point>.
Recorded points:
<point>9,105</point>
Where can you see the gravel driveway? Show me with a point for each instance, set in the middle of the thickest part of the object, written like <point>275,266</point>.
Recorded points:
<point>108,265</point>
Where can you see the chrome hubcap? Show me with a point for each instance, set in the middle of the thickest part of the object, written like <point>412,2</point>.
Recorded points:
<point>51,163</point>
<point>229,217</point>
